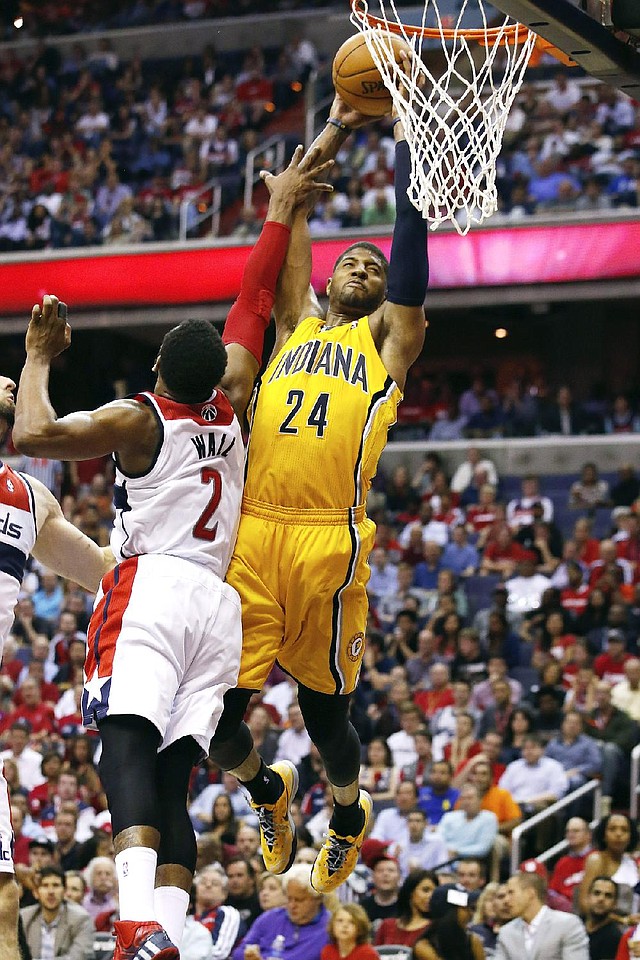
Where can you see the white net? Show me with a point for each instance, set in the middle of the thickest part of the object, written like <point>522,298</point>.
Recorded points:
<point>455,121</point>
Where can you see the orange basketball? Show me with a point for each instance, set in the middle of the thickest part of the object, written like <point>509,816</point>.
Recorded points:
<point>357,79</point>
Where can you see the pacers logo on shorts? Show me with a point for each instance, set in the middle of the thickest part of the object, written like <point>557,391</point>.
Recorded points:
<point>355,647</point>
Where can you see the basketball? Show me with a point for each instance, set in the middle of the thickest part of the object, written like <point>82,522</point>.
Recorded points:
<point>357,79</point>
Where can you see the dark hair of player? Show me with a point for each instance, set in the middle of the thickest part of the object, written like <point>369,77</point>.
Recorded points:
<point>192,361</point>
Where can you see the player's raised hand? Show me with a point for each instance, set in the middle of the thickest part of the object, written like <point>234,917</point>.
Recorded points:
<point>300,179</point>
<point>340,110</point>
<point>48,333</point>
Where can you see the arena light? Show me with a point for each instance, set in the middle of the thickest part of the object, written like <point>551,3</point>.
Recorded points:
<point>18,23</point>
<point>501,333</point>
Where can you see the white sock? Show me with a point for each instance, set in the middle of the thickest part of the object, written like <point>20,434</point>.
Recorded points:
<point>171,905</point>
<point>136,869</point>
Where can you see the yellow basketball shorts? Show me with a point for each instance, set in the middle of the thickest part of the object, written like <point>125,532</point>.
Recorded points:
<point>302,582</point>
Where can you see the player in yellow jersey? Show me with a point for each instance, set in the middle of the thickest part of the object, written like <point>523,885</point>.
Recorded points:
<point>319,419</point>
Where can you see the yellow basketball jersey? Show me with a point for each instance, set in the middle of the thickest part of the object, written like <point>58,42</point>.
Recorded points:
<point>319,419</point>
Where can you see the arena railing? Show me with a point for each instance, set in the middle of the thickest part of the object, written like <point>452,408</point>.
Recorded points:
<point>592,786</point>
<point>269,155</point>
<point>635,782</point>
<point>191,216</point>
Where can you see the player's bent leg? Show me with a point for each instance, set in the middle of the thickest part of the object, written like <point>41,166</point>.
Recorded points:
<point>9,905</point>
<point>128,773</point>
<point>326,718</point>
<point>272,789</point>
<point>177,852</point>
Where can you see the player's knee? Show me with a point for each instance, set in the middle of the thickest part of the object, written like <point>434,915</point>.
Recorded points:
<point>229,726</point>
<point>326,717</point>
<point>9,902</point>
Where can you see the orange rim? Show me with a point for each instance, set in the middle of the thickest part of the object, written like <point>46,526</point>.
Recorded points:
<point>492,35</point>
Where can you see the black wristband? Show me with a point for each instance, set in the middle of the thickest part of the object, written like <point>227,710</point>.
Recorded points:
<point>339,124</point>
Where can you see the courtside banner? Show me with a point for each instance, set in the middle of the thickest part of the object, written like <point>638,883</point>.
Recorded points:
<point>172,274</point>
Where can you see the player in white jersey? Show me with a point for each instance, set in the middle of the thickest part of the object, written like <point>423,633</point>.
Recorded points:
<point>165,637</point>
<point>31,521</point>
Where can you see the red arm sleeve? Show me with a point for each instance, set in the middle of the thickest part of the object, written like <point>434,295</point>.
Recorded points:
<point>250,314</point>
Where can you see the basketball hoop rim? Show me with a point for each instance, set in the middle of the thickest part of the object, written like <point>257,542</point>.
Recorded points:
<point>516,33</point>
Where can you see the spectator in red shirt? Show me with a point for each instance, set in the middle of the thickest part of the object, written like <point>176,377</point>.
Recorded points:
<point>66,632</point>
<point>609,665</point>
<point>503,554</point>
<point>42,795</point>
<point>607,562</point>
<point>588,546</point>
<point>483,513</point>
<point>72,671</point>
<point>49,692</point>
<point>569,870</point>
<point>439,694</point>
<point>575,596</point>
<point>38,714</point>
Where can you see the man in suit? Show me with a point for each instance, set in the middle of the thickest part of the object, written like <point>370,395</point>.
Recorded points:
<point>53,927</point>
<point>538,932</point>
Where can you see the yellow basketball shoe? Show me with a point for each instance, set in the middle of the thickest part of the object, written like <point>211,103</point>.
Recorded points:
<point>338,855</point>
<point>277,829</point>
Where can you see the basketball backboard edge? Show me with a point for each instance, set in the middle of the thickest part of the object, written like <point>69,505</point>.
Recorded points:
<point>594,47</point>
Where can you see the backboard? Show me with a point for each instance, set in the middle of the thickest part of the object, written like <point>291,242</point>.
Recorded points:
<point>586,30</point>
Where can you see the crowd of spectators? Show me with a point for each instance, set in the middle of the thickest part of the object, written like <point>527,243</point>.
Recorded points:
<point>80,16</point>
<point>98,151</point>
<point>439,408</point>
<point>95,151</point>
<point>501,672</point>
<point>568,147</point>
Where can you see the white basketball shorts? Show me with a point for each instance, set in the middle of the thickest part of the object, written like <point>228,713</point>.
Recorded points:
<point>6,830</point>
<point>163,643</point>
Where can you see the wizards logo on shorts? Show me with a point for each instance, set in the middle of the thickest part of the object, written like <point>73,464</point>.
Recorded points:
<point>6,853</point>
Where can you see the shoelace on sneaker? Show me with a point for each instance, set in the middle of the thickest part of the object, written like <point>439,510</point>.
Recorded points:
<point>337,852</point>
<point>267,826</point>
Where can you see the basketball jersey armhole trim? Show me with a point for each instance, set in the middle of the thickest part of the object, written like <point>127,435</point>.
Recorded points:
<point>32,500</point>
<point>142,398</point>
<point>367,320</point>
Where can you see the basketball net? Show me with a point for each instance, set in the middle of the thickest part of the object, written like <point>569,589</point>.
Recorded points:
<point>455,122</point>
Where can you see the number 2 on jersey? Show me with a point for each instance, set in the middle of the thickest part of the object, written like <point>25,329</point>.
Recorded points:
<point>201,531</point>
<point>317,418</point>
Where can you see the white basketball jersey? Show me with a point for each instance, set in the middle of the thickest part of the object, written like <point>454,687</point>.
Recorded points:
<point>17,537</point>
<point>188,503</point>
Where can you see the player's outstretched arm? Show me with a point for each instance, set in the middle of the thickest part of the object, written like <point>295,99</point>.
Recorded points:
<point>250,315</point>
<point>119,426</point>
<point>295,297</point>
<point>62,547</point>
<point>399,329</point>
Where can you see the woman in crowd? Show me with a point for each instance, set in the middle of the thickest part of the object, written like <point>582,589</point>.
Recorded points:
<point>483,920</point>
<point>447,937</point>
<point>271,891</point>
<point>464,745</point>
<point>520,723</point>
<point>349,933</point>
<point>80,759</point>
<point>223,820</point>
<point>615,839</point>
<point>447,631</point>
<point>378,774</point>
<point>593,619</point>
<point>412,909</point>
